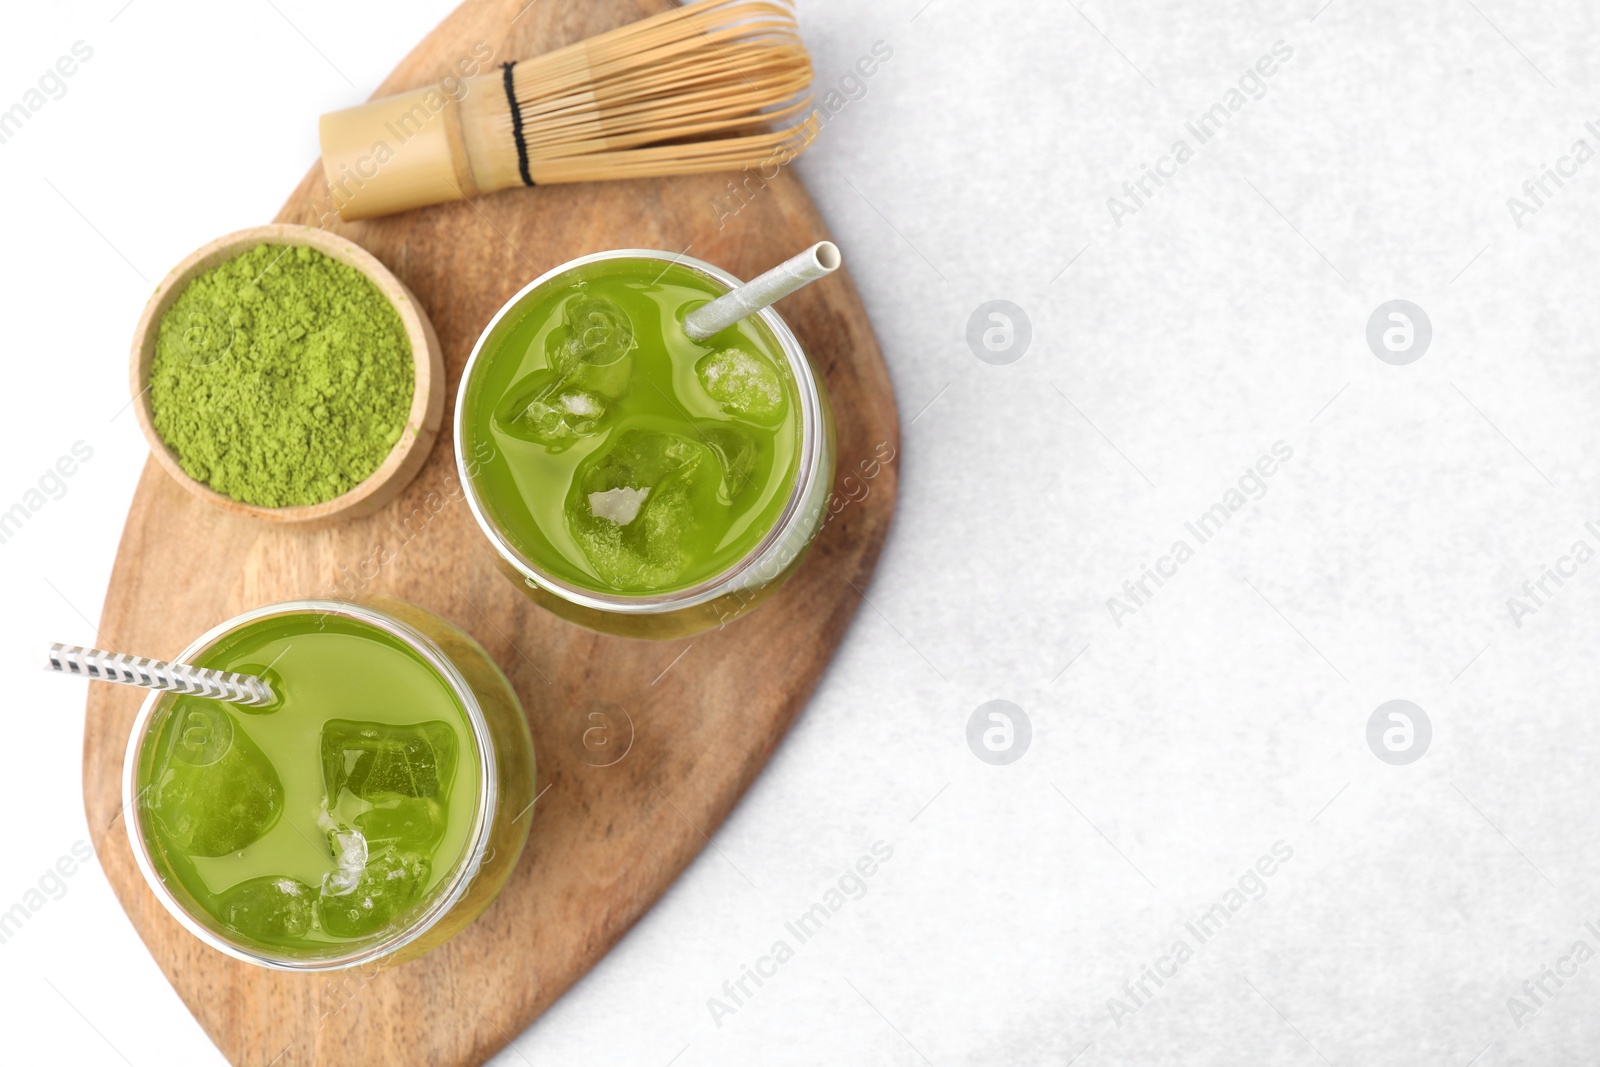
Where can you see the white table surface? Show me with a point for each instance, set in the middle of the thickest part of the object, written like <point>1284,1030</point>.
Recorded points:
<point>1185,740</point>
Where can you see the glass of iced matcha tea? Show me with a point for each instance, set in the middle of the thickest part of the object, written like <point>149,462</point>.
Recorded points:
<point>370,813</point>
<point>632,479</point>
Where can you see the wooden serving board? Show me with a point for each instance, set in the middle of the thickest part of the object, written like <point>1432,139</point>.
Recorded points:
<point>697,717</point>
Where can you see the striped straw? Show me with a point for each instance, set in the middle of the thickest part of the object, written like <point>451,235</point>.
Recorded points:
<point>93,663</point>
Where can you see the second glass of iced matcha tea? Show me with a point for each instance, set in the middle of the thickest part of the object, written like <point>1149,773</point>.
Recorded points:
<point>368,814</point>
<point>632,479</point>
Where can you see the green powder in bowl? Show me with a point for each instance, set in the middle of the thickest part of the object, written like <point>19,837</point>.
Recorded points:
<point>281,378</point>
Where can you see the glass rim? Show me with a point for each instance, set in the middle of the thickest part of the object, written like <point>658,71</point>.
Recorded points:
<point>812,451</point>
<point>445,896</point>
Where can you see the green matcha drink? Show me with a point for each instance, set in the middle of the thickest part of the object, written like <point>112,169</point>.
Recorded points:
<point>347,814</point>
<point>631,467</point>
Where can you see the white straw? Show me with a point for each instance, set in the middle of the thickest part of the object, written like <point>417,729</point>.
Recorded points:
<point>818,261</point>
<point>92,663</point>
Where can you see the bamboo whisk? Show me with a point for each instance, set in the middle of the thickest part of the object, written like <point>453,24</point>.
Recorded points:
<point>706,87</point>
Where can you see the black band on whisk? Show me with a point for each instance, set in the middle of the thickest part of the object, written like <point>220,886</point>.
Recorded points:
<point>516,124</point>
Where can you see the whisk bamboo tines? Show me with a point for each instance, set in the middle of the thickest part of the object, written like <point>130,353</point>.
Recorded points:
<point>714,85</point>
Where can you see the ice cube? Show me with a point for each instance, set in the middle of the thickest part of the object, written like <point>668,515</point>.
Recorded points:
<point>417,822</point>
<point>599,332</point>
<point>373,758</point>
<point>381,891</point>
<point>213,791</point>
<point>642,459</point>
<point>744,384</point>
<point>621,506</point>
<point>646,554</point>
<point>581,405</point>
<point>631,504</point>
<point>268,909</point>
<point>558,419</point>
<point>547,408</point>
<point>736,451</point>
<point>350,854</point>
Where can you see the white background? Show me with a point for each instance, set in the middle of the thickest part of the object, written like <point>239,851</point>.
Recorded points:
<point>1170,352</point>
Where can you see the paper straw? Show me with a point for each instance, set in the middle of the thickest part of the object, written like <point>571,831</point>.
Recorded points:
<point>818,261</point>
<point>93,663</point>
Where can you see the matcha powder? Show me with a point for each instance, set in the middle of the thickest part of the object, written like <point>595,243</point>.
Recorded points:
<point>281,378</point>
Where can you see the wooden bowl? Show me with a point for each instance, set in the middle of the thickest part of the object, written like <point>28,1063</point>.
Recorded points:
<point>427,399</point>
